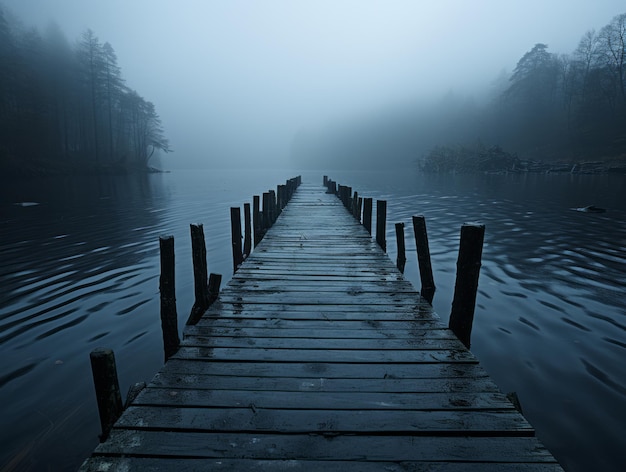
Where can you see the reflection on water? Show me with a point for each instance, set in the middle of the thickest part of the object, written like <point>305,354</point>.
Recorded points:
<point>80,270</point>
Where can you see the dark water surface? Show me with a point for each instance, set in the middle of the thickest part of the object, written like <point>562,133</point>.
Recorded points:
<point>80,269</point>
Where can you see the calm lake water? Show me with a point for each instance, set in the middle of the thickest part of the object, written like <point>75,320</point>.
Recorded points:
<point>79,270</point>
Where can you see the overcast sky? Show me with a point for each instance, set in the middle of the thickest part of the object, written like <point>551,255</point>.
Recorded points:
<point>234,80</point>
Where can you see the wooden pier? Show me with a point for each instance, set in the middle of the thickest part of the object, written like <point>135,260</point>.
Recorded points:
<point>319,355</point>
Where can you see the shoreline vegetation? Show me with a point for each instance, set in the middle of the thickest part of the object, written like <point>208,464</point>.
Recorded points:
<point>495,160</point>
<point>65,107</point>
<point>553,113</point>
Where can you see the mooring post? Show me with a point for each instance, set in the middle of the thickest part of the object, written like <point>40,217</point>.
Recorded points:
<point>256,219</point>
<point>107,387</point>
<point>329,186</point>
<point>325,181</point>
<point>273,212</point>
<point>423,258</point>
<point>355,206</point>
<point>381,224</point>
<point>466,285</point>
<point>401,258</point>
<point>235,231</point>
<point>215,280</point>
<point>266,213</point>
<point>367,214</point>
<point>200,271</point>
<point>359,209</point>
<point>167,288</point>
<point>247,240</point>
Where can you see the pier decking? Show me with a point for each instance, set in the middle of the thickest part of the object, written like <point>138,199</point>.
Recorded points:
<point>319,355</point>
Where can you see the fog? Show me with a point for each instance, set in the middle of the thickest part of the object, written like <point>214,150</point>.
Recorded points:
<point>234,81</point>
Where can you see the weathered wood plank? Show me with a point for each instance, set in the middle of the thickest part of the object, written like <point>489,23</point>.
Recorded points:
<point>320,331</point>
<point>268,320</point>
<point>304,400</point>
<point>323,447</point>
<point>327,355</point>
<point>254,419</point>
<point>321,384</point>
<point>335,370</point>
<point>149,464</point>
<point>307,343</point>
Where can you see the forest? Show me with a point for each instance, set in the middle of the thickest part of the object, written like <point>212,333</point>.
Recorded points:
<point>65,108</point>
<point>565,108</point>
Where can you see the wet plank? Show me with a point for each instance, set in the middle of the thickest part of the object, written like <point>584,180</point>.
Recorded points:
<point>150,464</point>
<point>325,447</point>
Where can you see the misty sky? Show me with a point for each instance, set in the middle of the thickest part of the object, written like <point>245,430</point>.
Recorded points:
<point>234,80</point>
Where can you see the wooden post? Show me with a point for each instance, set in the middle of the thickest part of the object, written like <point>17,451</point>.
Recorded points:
<point>107,387</point>
<point>235,231</point>
<point>466,286</point>
<point>256,219</point>
<point>401,258</point>
<point>381,224</point>
<point>355,205</point>
<point>325,181</point>
<point>247,241</point>
<point>329,186</point>
<point>359,209</point>
<point>198,255</point>
<point>273,212</point>
<point>167,288</point>
<point>266,213</point>
<point>213,292</point>
<point>367,214</point>
<point>215,280</point>
<point>423,258</point>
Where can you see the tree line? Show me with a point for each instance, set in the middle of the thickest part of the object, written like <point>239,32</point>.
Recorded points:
<point>66,107</point>
<point>567,107</point>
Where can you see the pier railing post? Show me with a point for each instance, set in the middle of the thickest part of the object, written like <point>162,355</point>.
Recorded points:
<point>200,271</point>
<point>215,280</point>
<point>267,212</point>
<point>466,286</point>
<point>367,214</point>
<point>273,212</point>
<point>401,257</point>
<point>423,258</point>
<point>167,288</point>
<point>257,219</point>
<point>235,231</point>
<point>381,224</point>
<point>107,387</point>
<point>247,240</point>
<point>355,206</point>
